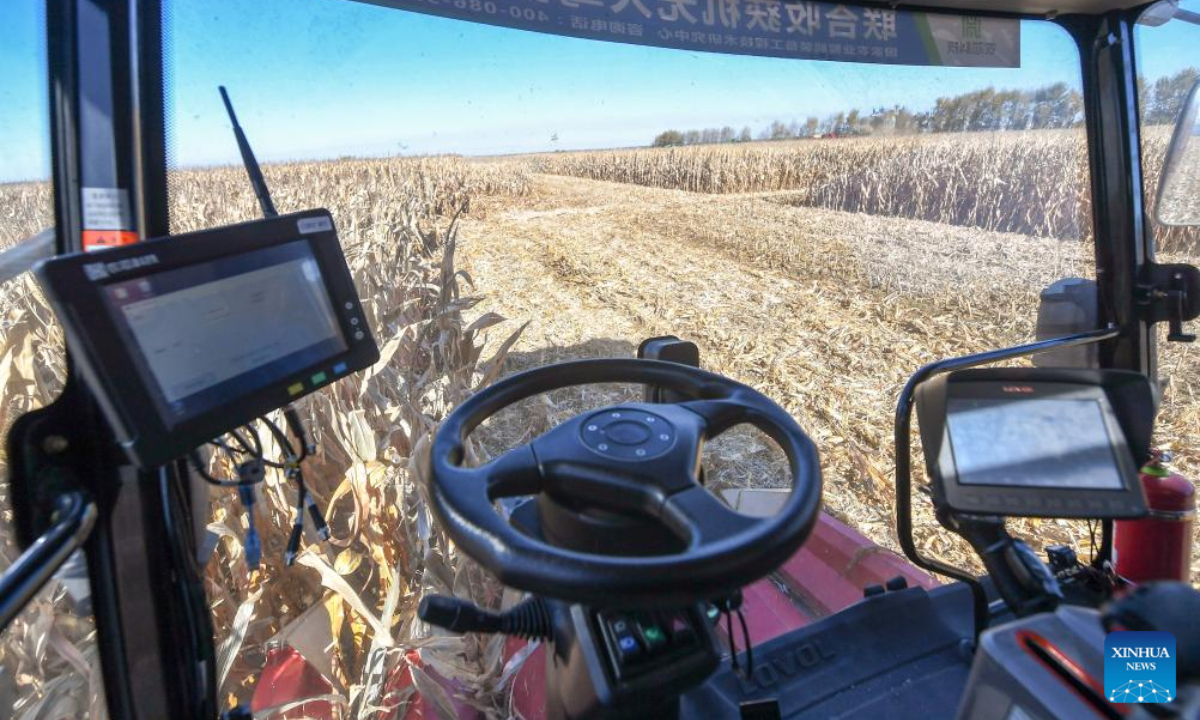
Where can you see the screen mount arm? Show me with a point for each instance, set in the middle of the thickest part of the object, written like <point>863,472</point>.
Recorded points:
<point>1023,581</point>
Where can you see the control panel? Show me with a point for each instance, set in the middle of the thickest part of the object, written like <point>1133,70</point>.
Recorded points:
<point>647,643</point>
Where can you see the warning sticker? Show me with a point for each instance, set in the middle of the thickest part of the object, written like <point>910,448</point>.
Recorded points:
<point>106,209</point>
<point>101,239</point>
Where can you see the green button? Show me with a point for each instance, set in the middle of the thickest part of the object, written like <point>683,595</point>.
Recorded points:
<point>654,636</point>
<point>318,378</point>
<point>295,388</point>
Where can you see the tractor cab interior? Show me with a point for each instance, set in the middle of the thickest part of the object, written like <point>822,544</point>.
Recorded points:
<point>598,560</point>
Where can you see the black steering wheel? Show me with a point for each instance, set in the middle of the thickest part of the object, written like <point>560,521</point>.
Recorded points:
<point>636,459</point>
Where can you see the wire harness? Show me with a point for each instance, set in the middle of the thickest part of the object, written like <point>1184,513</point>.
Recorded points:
<point>244,449</point>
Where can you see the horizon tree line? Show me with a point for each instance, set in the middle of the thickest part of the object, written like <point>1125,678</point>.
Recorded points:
<point>1053,106</point>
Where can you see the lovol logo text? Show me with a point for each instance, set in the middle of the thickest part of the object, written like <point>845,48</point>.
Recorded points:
<point>100,270</point>
<point>784,665</point>
<point>1139,667</point>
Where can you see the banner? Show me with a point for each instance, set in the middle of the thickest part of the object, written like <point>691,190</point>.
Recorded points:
<point>770,28</point>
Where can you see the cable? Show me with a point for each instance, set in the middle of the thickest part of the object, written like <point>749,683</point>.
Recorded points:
<point>728,607</point>
<point>246,474</point>
<point>733,658</point>
<point>256,451</point>
<point>241,441</point>
<point>1091,525</point>
<point>749,646</point>
<point>292,465</point>
<point>249,444</point>
<point>251,472</point>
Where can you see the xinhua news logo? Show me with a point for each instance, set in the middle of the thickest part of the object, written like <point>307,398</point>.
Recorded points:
<point>1139,667</point>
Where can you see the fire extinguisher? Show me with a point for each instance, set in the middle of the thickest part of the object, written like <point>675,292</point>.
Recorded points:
<point>1159,546</point>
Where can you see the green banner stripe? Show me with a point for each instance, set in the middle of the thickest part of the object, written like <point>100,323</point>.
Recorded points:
<point>931,49</point>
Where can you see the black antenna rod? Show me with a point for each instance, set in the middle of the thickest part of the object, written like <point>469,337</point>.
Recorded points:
<point>252,169</point>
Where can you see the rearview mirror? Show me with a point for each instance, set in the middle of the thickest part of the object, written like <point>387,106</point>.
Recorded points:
<point>1179,189</point>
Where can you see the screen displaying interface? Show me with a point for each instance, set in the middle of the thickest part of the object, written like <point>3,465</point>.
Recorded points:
<point>228,327</point>
<point>1058,443</point>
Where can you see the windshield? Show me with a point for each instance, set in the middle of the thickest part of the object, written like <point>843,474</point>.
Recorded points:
<point>509,199</point>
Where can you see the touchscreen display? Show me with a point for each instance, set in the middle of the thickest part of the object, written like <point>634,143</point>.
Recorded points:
<point>1054,443</point>
<point>219,330</point>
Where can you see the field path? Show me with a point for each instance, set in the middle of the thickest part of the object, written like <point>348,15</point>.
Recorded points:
<point>826,312</point>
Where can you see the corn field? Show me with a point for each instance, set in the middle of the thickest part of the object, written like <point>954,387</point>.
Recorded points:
<point>1032,183</point>
<point>401,222</point>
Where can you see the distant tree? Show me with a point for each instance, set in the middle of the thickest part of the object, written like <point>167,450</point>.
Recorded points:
<point>744,135</point>
<point>669,138</point>
<point>811,126</point>
<point>691,137</point>
<point>727,134</point>
<point>851,124</point>
<point>1162,100</point>
<point>778,131</point>
<point>1056,106</point>
<point>881,122</point>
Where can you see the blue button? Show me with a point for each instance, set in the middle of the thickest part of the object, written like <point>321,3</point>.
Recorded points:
<point>339,368</point>
<point>628,644</point>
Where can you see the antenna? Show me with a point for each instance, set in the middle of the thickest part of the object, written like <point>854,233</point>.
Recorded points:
<point>252,169</point>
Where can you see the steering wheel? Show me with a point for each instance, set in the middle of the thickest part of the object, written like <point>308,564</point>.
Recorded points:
<point>636,459</point>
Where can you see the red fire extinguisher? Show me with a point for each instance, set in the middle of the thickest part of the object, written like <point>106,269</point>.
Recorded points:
<point>1159,546</point>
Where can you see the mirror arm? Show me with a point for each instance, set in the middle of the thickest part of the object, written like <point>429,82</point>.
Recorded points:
<point>1171,292</point>
<point>1187,16</point>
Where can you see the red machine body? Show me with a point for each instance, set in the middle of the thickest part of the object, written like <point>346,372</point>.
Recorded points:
<point>290,688</point>
<point>285,682</point>
<point>1158,547</point>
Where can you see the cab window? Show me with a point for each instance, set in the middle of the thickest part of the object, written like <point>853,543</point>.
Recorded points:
<point>1168,71</point>
<point>49,666</point>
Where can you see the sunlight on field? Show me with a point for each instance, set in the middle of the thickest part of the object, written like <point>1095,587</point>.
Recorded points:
<point>815,271</point>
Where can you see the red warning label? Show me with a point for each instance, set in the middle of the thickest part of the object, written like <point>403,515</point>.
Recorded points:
<point>100,239</point>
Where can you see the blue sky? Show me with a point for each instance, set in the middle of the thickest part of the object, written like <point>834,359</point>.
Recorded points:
<point>24,114</point>
<point>323,78</point>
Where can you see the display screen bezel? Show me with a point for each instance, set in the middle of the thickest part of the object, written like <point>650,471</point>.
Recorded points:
<point>1014,385</point>
<point>128,393</point>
